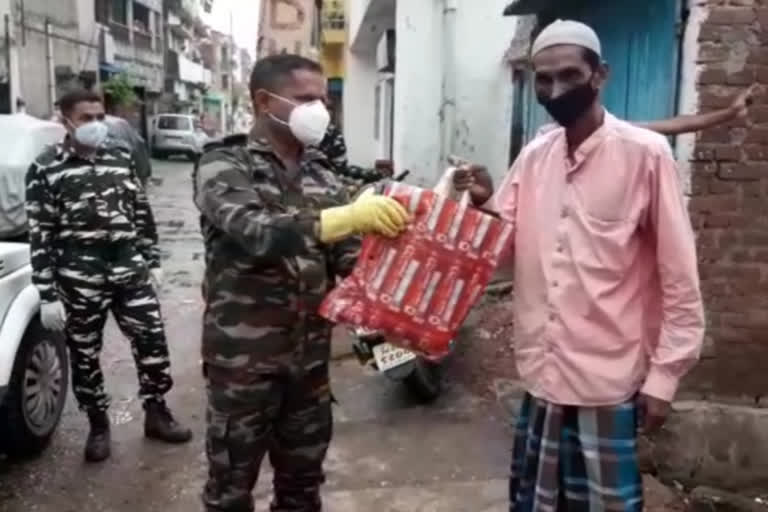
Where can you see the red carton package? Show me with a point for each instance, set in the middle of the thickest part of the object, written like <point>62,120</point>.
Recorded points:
<point>418,289</point>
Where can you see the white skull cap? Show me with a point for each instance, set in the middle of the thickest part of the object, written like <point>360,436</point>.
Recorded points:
<point>567,32</point>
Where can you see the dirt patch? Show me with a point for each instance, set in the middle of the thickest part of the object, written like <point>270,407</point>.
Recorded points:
<point>485,349</point>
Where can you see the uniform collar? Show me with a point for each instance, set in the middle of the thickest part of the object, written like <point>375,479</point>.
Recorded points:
<point>66,150</point>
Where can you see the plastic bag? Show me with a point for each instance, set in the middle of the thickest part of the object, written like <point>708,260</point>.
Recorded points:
<point>419,288</point>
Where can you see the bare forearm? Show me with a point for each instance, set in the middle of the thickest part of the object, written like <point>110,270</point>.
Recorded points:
<point>688,123</point>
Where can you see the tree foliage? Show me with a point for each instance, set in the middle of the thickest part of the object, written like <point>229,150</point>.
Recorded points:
<point>120,90</point>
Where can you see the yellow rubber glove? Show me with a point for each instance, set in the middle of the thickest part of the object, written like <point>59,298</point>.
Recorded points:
<point>368,214</point>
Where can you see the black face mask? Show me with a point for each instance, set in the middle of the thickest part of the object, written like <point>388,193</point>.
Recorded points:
<point>571,105</point>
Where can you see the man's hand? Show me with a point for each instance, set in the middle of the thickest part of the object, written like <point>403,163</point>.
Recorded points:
<point>464,177</point>
<point>369,213</point>
<point>53,316</point>
<point>475,179</point>
<point>740,106</point>
<point>385,167</point>
<point>653,413</point>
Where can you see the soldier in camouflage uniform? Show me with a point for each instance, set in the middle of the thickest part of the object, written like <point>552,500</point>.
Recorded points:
<point>335,149</point>
<point>278,231</point>
<point>94,249</point>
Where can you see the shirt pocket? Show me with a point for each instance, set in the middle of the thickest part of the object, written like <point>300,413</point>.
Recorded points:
<point>80,204</point>
<point>603,246</point>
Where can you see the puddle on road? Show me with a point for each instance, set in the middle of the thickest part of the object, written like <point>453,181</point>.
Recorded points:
<point>120,413</point>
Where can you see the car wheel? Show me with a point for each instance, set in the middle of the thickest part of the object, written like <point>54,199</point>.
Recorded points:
<point>36,394</point>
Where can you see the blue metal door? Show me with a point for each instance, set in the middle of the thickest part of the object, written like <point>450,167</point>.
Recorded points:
<point>641,44</point>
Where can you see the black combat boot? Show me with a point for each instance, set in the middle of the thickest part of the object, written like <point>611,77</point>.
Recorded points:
<point>97,448</point>
<point>159,424</point>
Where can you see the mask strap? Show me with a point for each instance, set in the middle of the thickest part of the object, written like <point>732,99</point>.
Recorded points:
<point>276,119</point>
<point>277,96</point>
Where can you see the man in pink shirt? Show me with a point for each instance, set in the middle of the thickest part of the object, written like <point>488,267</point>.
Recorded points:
<point>608,310</point>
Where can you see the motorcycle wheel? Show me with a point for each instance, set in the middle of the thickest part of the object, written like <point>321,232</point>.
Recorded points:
<point>425,381</point>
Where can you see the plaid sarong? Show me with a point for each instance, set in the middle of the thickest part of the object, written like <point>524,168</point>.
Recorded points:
<point>568,458</point>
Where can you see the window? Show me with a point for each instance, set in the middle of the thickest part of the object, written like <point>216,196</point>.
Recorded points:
<point>140,18</point>
<point>119,12</point>
<point>101,10</point>
<point>225,81</point>
<point>297,47</point>
<point>174,123</point>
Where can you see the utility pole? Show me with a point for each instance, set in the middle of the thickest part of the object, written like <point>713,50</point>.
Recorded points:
<point>231,73</point>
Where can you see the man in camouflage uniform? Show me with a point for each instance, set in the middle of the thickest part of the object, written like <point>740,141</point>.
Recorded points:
<point>277,233</point>
<point>94,249</point>
<point>335,149</point>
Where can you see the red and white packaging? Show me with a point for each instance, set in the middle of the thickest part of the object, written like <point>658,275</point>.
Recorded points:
<point>418,289</point>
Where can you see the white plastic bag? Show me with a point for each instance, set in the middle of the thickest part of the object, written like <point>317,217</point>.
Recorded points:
<point>446,188</point>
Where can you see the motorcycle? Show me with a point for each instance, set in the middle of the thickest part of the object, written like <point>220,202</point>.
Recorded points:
<point>422,376</point>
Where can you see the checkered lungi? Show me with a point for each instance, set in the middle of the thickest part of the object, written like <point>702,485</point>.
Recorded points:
<point>569,458</point>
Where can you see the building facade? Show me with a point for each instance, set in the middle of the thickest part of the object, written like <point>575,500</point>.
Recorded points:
<point>418,88</point>
<point>133,45</point>
<point>332,49</point>
<point>48,48</point>
<point>289,26</point>
<point>186,77</point>
<point>218,53</point>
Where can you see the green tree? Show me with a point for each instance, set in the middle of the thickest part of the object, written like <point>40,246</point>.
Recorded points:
<point>119,88</point>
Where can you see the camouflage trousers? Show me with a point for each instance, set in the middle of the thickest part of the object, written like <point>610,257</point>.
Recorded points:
<point>285,415</point>
<point>88,299</point>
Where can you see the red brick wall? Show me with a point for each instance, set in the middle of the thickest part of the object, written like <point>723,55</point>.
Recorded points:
<point>729,204</point>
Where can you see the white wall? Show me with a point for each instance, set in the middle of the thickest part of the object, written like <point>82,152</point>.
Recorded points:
<point>359,90</point>
<point>359,104</point>
<point>418,83</point>
<point>483,86</point>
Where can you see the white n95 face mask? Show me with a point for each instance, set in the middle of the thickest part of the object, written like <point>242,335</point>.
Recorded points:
<point>308,122</point>
<point>92,134</point>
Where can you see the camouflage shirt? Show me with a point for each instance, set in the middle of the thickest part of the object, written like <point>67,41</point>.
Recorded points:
<point>266,271</point>
<point>71,200</point>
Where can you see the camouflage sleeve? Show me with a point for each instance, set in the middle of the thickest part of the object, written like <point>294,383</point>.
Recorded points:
<point>140,156</point>
<point>42,215</point>
<point>145,224</point>
<point>226,197</point>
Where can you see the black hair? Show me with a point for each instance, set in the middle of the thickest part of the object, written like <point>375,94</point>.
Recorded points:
<point>592,58</point>
<point>270,72</point>
<point>70,100</point>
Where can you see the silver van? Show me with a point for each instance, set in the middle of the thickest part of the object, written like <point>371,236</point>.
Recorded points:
<point>177,134</point>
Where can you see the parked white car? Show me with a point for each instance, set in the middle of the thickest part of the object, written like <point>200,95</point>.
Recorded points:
<point>34,369</point>
<point>177,134</point>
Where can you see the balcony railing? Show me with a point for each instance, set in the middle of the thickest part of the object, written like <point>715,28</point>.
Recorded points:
<point>120,32</point>
<point>142,40</point>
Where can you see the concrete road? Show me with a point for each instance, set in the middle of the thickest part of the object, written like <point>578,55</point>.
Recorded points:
<point>389,454</point>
